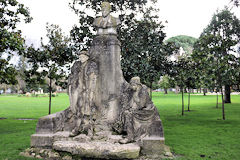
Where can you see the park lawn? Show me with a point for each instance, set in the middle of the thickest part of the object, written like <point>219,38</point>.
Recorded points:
<point>199,134</point>
<point>15,134</point>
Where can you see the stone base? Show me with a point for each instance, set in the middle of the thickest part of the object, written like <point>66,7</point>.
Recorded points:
<point>45,140</point>
<point>49,154</point>
<point>42,140</point>
<point>103,145</point>
<point>102,150</point>
<point>153,145</point>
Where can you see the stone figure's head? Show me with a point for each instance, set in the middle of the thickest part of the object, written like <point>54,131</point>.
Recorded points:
<point>83,56</point>
<point>106,8</point>
<point>135,83</point>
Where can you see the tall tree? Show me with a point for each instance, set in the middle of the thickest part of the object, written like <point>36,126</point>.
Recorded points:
<point>51,60</point>
<point>143,51</point>
<point>215,47</point>
<point>11,40</point>
<point>206,65</point>
<point>180,68</point>
<point>225,26</point>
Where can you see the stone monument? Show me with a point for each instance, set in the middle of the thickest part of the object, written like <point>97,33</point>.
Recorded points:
<point>108,118</point>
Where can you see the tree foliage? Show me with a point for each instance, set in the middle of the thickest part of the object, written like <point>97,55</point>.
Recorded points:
<point>51,60</point>
<point>165,83</point>
<point>142,49</point>
<point>7,73</point>
<point>11,13</point>
<point>218,42</point>
<point>215,49</point>
<point>235,2</point>
<point>186,42</point>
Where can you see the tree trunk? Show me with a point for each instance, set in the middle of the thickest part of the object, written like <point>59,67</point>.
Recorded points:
<point>50,96</point>
<point>165,91</point>
<point>227,94</point>
<point>204,91</point>
<point>189,100</point>
<point>223,111</point>
<point>5,89</point>
<point>217,100</point>
<point>182,102</point>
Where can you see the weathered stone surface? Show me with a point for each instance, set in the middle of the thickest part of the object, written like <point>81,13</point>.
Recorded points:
<point>106,24</point>
<point>153,145</point>
<point>42,140</point>
<point>59,121</point>
<point>99,149</point>
<point>82,138</point>
<point>114,138</point>
<point>54,155</point>
<point>139,117</point>
<point>62,136</point>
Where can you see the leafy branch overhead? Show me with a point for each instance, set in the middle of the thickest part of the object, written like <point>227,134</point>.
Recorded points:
<point>11,13</point>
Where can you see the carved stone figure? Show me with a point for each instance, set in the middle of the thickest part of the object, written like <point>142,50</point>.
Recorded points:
<point>138,115</point>
<point>106,24</point>
<point>105,110</point>
<point>82,96</point>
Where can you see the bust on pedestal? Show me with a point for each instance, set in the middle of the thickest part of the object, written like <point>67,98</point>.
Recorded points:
<point>106,24</point>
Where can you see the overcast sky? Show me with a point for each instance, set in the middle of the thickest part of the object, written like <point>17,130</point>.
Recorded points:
<point>185,17</point>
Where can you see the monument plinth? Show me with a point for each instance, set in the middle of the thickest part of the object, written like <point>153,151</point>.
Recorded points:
<point>108,117</point>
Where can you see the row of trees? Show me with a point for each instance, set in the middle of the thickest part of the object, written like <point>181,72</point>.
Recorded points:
<point>144,51</point>
<point>214,62</point>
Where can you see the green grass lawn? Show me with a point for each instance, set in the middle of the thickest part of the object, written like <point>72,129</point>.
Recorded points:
<point>199,134</point>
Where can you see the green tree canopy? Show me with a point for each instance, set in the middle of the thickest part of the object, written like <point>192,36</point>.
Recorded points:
<point>186,42</point>
<point>11,13</point>
<point>215,49</point>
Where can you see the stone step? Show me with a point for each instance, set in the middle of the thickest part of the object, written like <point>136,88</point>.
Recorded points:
<point>97,149</point>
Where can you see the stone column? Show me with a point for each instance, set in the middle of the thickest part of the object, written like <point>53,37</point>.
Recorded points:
<point>106,51</point>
